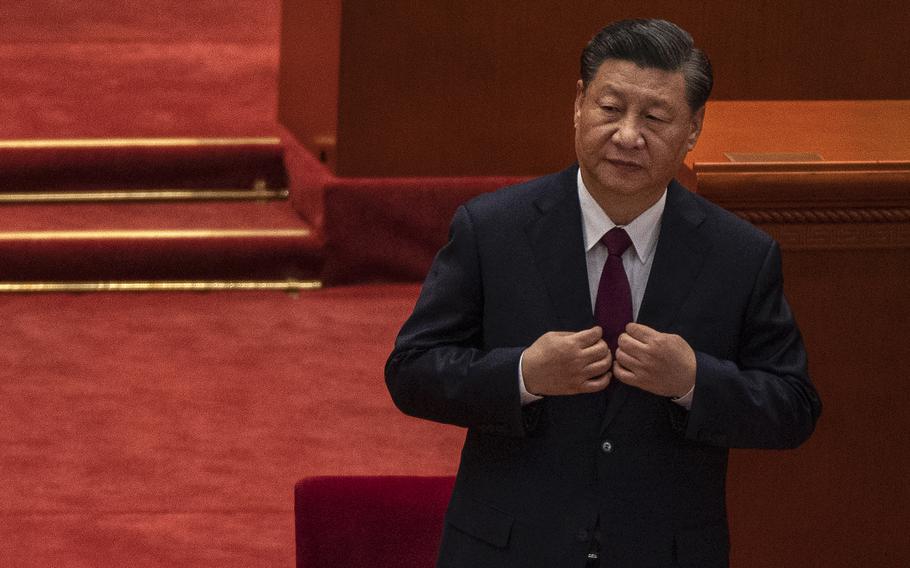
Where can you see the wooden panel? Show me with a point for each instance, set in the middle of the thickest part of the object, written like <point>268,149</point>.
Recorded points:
<point>844,227</point>
<point>432,88</point>
<point>864,130</point>
<point>822,185</point>
<point>486,88</point>
<point>842,500</point>
<point>308,75</point>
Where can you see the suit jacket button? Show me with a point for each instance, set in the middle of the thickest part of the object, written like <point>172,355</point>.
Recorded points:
<point>606,446</point>
<point>582,535</point>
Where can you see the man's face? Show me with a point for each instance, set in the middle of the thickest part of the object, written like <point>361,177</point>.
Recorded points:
<point>633,128</point>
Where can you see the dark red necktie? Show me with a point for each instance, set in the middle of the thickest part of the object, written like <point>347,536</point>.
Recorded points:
<point>613,307</point>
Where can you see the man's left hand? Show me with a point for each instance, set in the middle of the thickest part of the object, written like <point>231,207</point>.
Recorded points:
<point>660,363</point>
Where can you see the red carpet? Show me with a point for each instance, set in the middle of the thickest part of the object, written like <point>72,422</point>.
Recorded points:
<point>152,68</point>
<point>168,430</point>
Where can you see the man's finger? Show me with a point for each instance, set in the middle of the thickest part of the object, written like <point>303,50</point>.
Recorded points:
<point>588,337</point>
<point>640,332</point>
<point>623,374</point>
<point>627,360</point>
<point>599,350</point>
<point>596,368</point>
<point>597,384</point>
<point>630,344</point>
<point>562,333</point>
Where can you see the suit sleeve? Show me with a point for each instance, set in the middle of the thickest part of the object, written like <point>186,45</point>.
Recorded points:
<point>438,369</point>
<point>764,399</point>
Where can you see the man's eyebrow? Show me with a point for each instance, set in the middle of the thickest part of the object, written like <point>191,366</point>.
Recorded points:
<point>651,103</point>
<point>651,100</point>
<point>606,90</point>
<point>660,104</point>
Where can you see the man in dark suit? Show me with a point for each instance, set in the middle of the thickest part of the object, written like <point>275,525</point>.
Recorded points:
<point>605,336</point>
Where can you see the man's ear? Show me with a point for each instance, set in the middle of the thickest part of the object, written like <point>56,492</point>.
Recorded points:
<point>579,97</point>
<point>698,118</point>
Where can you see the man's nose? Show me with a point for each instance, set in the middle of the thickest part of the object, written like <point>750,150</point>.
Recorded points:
<point>628,134</point>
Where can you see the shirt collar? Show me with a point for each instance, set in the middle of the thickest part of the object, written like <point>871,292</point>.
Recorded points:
<point>643,230</point>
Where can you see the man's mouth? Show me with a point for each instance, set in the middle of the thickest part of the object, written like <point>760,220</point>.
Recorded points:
<point>626,164</point>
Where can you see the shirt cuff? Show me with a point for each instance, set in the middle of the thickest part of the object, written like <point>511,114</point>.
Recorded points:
<point>685,400</point>
<point>526,397</point>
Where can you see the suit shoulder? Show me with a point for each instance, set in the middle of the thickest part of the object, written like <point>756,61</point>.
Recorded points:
<point>514,201</point>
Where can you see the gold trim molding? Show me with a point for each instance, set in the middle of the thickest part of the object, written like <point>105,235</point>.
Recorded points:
<point>155,234</point>
<point>136,142</point>
<point>144,195</point>
<point>818,216</point>
<point>811,166</point>
<point>162,286</point>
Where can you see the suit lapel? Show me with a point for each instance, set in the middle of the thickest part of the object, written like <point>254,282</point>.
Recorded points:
<point>678,259</point>
<point>557,242</point>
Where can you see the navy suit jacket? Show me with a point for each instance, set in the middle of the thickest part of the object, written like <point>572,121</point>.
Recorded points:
<point>537,482</point>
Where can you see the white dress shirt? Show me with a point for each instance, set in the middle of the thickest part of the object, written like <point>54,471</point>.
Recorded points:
<point>636,260</point>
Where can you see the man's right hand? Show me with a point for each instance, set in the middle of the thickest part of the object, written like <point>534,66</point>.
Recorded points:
<point>564,362</point>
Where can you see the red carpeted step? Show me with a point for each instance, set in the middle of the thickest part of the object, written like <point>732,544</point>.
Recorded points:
<point>143,163</point>
<point>156,240</point>
<point>409,216</point>
<point>75,242</point>
<point>161,255</point>
<point>149,216</point>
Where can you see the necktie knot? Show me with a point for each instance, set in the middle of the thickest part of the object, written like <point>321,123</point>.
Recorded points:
<point>617,241</point>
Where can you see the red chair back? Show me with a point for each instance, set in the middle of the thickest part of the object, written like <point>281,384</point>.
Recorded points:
<point>376,522</point>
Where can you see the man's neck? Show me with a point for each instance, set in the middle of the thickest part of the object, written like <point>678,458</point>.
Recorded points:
<point>623,209</point>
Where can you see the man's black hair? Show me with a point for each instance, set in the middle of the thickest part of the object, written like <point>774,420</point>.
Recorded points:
<point>651,44</point>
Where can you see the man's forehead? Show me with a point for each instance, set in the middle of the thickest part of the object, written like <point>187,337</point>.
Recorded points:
<point>623,77</point>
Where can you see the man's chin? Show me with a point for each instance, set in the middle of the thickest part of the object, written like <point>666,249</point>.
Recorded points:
<point>628,185</point>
